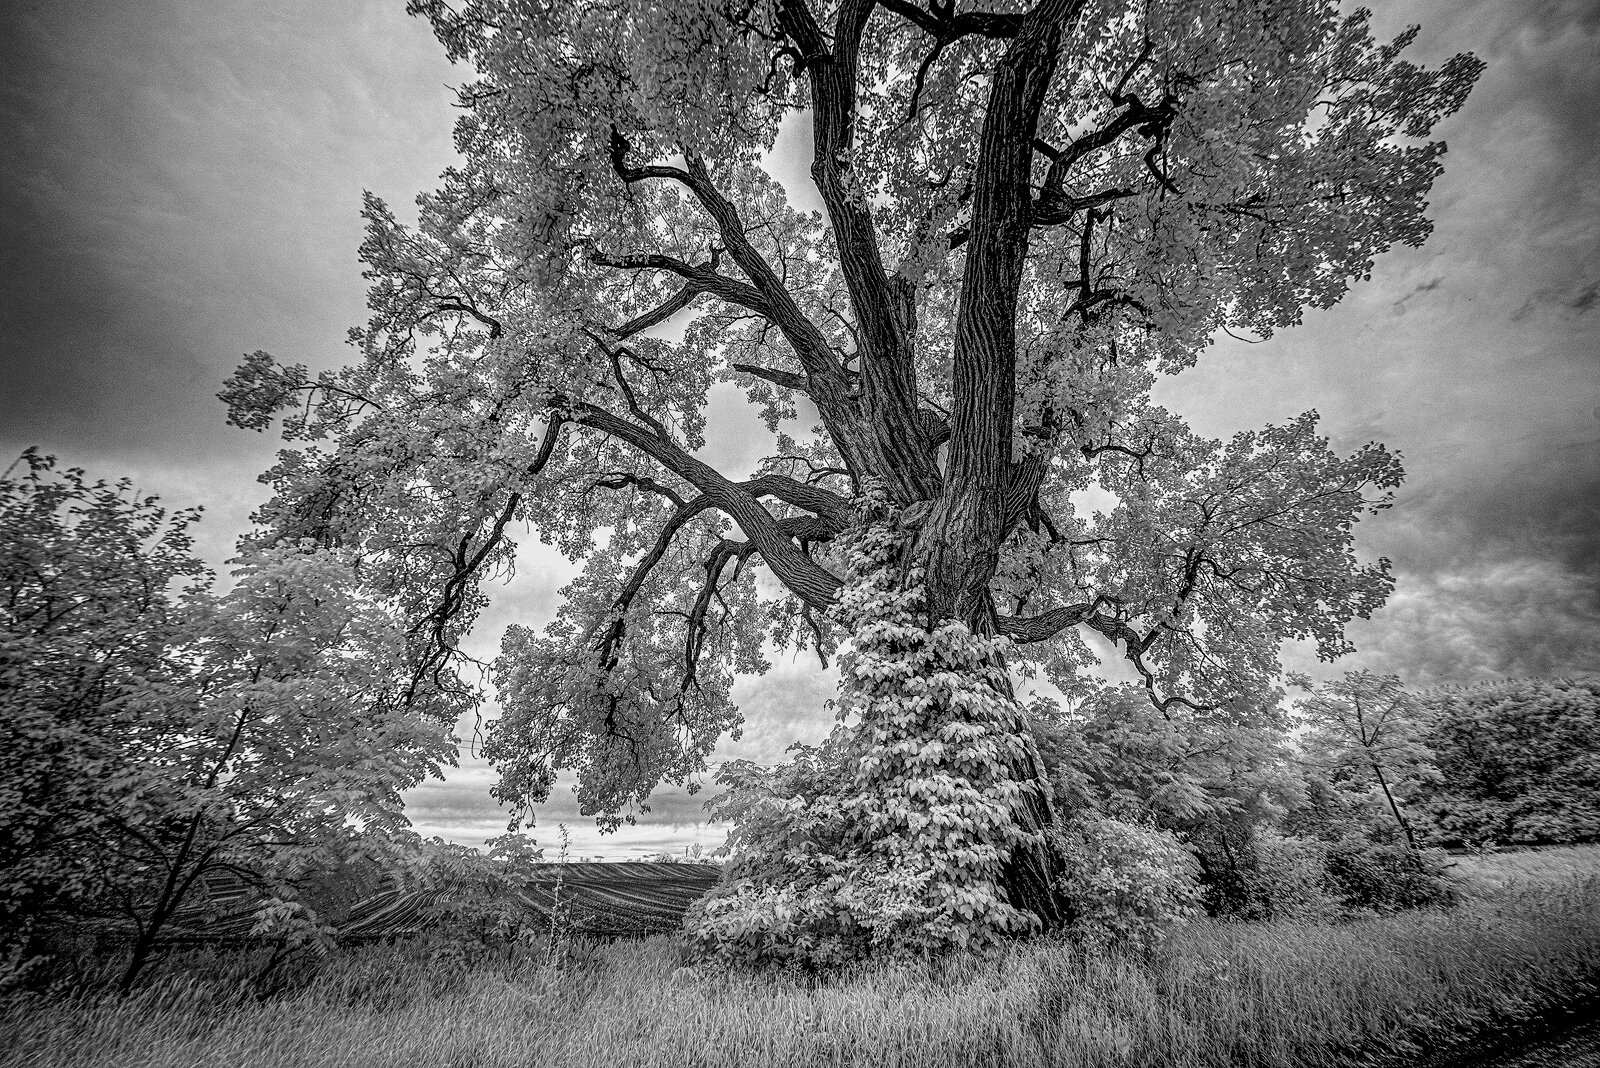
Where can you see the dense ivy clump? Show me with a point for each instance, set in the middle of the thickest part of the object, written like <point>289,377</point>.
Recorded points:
<point>894,834</point>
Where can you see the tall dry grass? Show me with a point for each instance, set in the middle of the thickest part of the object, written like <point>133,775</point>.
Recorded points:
<point>1275,994</point>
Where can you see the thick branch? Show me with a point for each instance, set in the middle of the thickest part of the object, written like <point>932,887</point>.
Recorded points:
<point>884,316</point>
<point>644,482</point>
<point>786,379</point>
<point>804,577</point>
<point>466,560</point>
<point>658,315</point>
<point>827,504</point>
<point>942,23</point>
<point>1045,625</point>
<point>985,350</point>
<point>809,343</point>
<point>702,278</point>
<point>962,539</point>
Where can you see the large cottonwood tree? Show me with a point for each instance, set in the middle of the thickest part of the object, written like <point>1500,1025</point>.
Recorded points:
<point>1032,210</point>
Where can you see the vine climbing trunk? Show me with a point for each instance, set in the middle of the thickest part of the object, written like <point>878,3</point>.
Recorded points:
<point>954,554</point>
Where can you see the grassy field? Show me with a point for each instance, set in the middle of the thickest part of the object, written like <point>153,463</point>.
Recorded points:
<point>1490,873</point>
<point>1265,995</point>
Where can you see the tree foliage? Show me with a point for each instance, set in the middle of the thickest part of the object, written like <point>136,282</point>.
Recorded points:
<point>1114,753</point>
<point>1367,739</point>
<point>157,733</point>
<point>1030,213</point>
<point>1519,761</point>
<point>90,587</point>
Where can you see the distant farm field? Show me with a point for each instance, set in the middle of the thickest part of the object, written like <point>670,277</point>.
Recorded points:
<point>1274,994</point>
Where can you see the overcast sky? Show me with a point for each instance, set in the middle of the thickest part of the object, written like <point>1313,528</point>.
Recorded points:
<point>181,182</point>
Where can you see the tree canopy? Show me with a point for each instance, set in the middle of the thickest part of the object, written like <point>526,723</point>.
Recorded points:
<point>1519,761</point>
<point>1031,212</point>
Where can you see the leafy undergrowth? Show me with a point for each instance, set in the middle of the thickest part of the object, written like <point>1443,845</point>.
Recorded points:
<point>1266,994</point>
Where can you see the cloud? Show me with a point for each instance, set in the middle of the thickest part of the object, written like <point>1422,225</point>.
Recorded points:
<point>1510,618</point>
<point>1568,303</point>
<point>181,184</point>
<point>1481,373</point>
<point>460,809</point>
<point>787,705</point>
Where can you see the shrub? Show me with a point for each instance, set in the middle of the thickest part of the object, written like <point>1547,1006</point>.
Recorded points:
<point>1125,885</point>
<point>1386,878</point>
<point>1256,873</point>
<point>1224,848</point>
<point>1290,878</point>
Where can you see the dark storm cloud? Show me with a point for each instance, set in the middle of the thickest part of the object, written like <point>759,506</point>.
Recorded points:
<point>181,184</point>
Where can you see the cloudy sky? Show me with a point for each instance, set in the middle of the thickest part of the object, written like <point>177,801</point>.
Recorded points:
<point>181,181</point>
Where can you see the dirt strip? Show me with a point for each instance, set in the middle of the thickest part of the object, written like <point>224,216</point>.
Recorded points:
<point>1566,1037</point>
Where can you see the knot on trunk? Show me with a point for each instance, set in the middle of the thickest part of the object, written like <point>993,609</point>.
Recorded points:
<point>935,428</point>
<point>911,518</point>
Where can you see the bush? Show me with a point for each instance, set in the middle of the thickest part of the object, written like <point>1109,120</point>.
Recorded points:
<point>1290,879</point>
<point>1257,873</point>
<point>1126,885</point>
<point>1224,847</point>
<point>1386,878</point>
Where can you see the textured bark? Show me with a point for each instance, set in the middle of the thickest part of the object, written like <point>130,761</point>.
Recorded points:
<point>958,543</point>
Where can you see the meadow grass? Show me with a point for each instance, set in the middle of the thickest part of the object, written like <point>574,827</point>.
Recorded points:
<point>1489,873</point>
<point>1270,994</point>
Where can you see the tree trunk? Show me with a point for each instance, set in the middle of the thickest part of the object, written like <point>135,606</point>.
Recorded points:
<point>1032,877</point>
<point>1405,826</point>
<point>957,549</point>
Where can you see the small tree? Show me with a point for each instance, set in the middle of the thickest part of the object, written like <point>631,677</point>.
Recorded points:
<point>91,585</point>
<point>1367,733</point>
<point>267,732</point>
<point>297,733</point>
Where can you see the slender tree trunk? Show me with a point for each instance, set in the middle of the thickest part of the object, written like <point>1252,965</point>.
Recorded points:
<point>172,893</point>
<point>1405,826</point>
